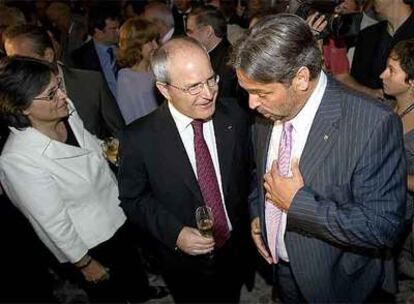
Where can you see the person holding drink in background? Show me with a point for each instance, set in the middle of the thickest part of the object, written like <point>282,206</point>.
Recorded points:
<point>196,153</point>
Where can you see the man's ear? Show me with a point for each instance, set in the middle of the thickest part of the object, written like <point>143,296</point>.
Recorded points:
<point>97,33</point>
<point>301,82</point>
<point>162,87</point>
<point>26,111</point>
<point>209,30</point>
<point>49,55</point>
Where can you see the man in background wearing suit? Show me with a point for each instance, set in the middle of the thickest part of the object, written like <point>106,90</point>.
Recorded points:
<point>192,151</point>
<point>94,103</point>
<point>208,26</point>
<point>161,14</point>
<point>330,167</point>
<point>99,53</point>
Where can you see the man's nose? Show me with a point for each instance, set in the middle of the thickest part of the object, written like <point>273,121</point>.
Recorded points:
<point>254,101</point>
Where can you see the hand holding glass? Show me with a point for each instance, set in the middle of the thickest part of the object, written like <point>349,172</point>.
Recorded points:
<point>205,221</point>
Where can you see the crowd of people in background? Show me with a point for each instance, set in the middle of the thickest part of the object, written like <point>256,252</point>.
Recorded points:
<point>290,121</point>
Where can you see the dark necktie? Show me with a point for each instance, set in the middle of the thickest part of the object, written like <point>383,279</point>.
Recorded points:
<point>114,65</point>
<point>209,186</point>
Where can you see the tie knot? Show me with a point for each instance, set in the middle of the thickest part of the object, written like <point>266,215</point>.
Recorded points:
<point>111,53</point>
<point>197,126</point>
<point>287,127</point>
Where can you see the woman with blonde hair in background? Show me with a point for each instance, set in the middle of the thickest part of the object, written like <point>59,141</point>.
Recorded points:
<point>136,90</point>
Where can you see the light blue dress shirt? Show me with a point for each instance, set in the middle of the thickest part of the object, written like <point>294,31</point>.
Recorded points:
<point>106,64</point>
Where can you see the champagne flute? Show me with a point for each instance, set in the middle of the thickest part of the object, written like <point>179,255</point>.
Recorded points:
<point>205,221</point>
<point>204,218</point>
<point>110,147</point>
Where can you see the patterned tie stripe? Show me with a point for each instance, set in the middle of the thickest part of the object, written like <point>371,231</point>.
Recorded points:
<point>273,214</point>
<point>209,186</point>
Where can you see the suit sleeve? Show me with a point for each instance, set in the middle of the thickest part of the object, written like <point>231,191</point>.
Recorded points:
<point>254,202</point>
<point>34,192</point>
<point>137,198</point>
<point>372,215</point>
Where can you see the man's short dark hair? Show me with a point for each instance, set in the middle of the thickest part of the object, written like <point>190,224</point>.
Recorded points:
<point>210,15</point>
<point>276,48</point>
<point>39,38</point>
<point>99,14</point>
<point>21,80</point>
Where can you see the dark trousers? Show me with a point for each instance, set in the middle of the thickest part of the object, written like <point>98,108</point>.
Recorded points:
<point>128,280</point>
<point>206,279</point>
<point>25,260</point>
<point>288,289</point>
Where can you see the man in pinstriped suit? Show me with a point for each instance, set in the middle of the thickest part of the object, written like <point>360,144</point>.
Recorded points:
<point>341,206</point>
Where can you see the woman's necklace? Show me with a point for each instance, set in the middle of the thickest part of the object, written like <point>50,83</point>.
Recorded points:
<point>407,110</point>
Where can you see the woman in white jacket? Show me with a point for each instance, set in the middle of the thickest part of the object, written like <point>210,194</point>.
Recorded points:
<point>54,171</point>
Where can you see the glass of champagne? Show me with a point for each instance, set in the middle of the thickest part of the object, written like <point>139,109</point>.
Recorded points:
<point>205,221</point>
<point>204,218</point>
<point>110,147</point>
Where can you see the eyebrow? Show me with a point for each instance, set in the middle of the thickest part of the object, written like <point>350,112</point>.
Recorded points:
<point>196,83</point>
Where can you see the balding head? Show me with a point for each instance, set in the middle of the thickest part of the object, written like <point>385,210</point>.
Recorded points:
<point>160,14</point>
<point>185,77</point>
<point>172,51</point>
<point>59,14</point>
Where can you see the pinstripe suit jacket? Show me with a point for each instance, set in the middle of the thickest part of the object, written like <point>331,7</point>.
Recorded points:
<point>349,213</point>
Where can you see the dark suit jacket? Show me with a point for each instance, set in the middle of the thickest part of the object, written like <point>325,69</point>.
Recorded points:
<point>93,101</point>
<point>350,211</point>
<point>219,58</point>
<point>158,188</point>
<point>372,49</point>
<point>86,57</point>
<point>179,26</point>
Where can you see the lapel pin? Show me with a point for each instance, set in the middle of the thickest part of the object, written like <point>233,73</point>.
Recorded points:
<point>325,137</point>
<point>229,127</point>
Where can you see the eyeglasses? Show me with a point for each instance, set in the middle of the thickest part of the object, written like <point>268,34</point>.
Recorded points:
<point>51,95</point>
<point>198,87</point>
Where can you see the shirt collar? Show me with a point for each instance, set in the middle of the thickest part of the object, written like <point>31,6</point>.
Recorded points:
<point>305,117</point>
<point>103,47</point>
<point>167,36</point>
<point>182,121</point>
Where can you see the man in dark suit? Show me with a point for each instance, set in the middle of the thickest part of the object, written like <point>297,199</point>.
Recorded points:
<point>94,103</point>
<point>180,11</point>
<point>99,53</point>
<point>332,203</point>
<point>168,168</point>
<point>160,14</point>
<point>208,26</point>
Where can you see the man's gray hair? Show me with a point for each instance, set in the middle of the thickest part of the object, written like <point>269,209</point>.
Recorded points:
<point>161,57</point>
<point>162,13</point>
<point>276,48</point>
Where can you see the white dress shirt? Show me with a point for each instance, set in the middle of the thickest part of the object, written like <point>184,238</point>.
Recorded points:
<point>301,127</point>
<point>186,132</point>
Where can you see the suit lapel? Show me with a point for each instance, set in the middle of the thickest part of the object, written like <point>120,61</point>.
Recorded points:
<point>174,151</point>
<point>263,131</point>
<point>224,131</point>
<point>323,133</point>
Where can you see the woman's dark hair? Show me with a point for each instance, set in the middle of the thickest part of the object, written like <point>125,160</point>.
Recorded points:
<point>403,52</point>
<point>21,80</point>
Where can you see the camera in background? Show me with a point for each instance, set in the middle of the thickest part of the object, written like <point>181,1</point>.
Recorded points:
<point>338,25</point>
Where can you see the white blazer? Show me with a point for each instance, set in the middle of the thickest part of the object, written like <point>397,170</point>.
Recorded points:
<point>68,193</point>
